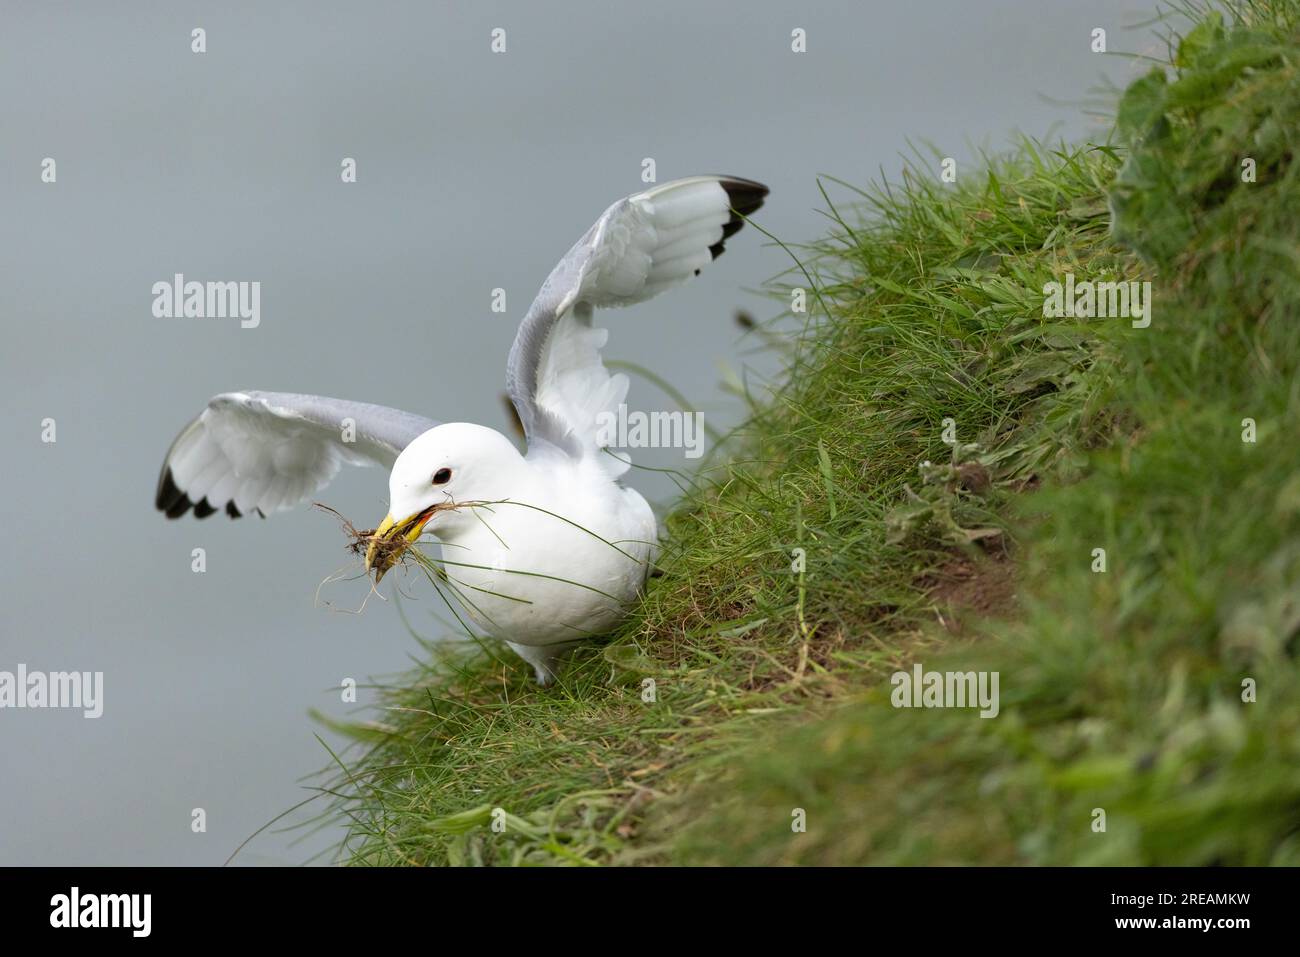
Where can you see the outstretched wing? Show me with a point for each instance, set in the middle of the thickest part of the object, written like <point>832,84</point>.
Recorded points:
<point>641,246</point>
<point>265,451</point>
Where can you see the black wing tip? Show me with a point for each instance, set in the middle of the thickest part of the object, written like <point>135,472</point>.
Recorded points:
<point>745,197</point>
<point>740,182</point>
<point>169,499</point>
<point>174,503</point>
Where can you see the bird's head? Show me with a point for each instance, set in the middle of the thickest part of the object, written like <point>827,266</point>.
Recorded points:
<point>449,465</point>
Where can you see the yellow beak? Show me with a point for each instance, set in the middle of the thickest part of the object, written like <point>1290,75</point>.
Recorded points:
<point>392,538</point>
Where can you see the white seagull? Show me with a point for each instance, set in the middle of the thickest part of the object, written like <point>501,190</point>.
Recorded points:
<point>546,548</point>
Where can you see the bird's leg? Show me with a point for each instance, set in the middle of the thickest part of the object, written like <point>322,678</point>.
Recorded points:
<point>543,658</point>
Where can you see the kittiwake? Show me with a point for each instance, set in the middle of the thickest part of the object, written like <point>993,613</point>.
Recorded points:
<point>555,548</point>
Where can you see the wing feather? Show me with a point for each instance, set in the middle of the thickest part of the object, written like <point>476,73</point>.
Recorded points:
<point>640,246</point>
<point>265,451</point>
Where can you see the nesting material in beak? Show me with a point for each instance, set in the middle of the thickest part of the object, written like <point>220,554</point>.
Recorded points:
<point>392,538</point>
<point>387,545</point>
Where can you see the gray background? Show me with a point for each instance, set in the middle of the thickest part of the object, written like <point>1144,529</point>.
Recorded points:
<point>476,170</point>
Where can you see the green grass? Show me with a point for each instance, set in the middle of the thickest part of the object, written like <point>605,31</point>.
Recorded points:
<point>1120,690</point>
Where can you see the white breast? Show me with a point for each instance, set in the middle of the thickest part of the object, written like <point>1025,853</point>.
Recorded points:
<point>555,572</point>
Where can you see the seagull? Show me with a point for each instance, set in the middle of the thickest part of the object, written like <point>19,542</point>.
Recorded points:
<point>543,549</point>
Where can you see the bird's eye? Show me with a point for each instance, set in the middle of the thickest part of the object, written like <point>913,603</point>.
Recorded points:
<point>442,476</point>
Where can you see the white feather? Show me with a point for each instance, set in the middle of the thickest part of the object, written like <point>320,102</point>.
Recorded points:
<point>270,450</point>
<point>640,247</point>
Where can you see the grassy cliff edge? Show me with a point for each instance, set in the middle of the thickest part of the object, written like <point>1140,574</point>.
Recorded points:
<point>1104,512</point>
